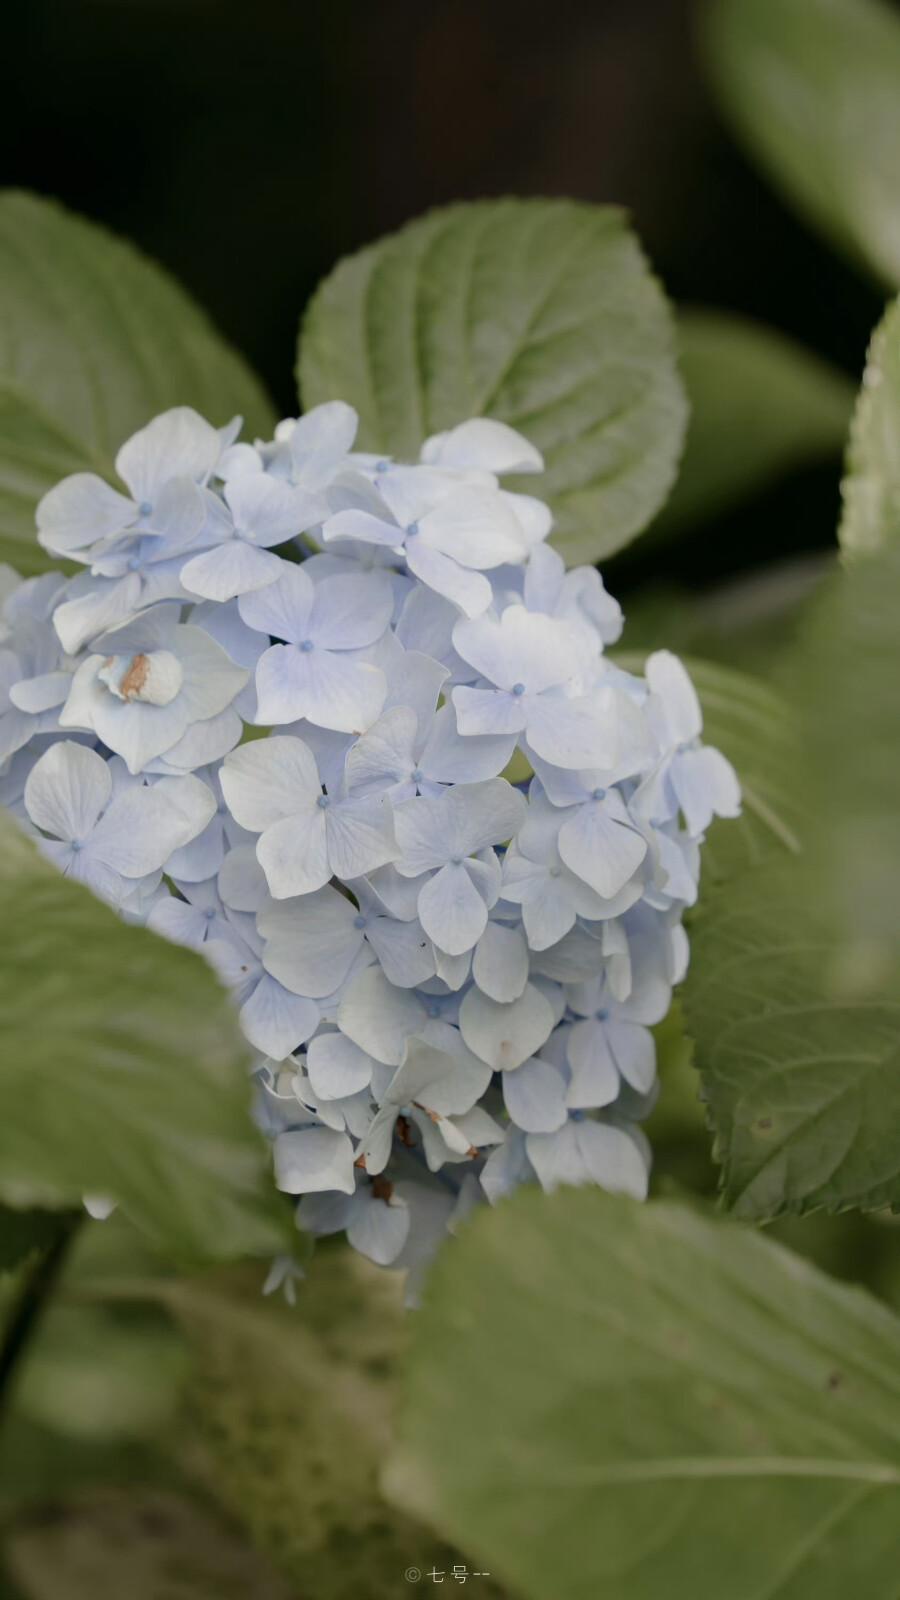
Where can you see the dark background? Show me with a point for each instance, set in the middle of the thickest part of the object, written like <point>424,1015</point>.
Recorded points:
<point>248,145</point>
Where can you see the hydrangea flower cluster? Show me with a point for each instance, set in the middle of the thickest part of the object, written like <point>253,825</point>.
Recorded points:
<point>447,889</point>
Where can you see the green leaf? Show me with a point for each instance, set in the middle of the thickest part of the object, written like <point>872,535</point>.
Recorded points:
<point>148,1544</point>
<point>761,406</point>
<point>122,1071</point>
<point>542,313</point>
<point>792,994</point>
<point>812,87</point>
<point>295,1411</point>
<point>607,1399</point>
<point>94,341</point>
<point>871,487</point>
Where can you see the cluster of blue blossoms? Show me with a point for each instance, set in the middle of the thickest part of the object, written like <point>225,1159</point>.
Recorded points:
<point>448,975</point>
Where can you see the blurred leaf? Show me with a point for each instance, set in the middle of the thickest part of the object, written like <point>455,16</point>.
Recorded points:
<point>844,676</point>
<point>122,1071</point>
<point>295,1407</point>
<point>667,1408</point>
<point>791,997</point>
<point>871,488</point>
<point>147,1544</point>
<point>812,87</point>
<point>760,406</point>
<point>542,313</point>
<point>37,1463</point>
<point>94,341</point>
<point>746,623</point>
<point>22,1233</point>
<point>98,1374</point>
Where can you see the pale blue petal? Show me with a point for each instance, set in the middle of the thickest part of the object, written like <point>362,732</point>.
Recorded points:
<point>67,789</point>
<point>535,1096</point>
<point>275,1021</point>
<point>500,963</point>
<point>505,1035</point>
<point>311,942</point>
<point>378,1228</point>
<point>313,1159</point>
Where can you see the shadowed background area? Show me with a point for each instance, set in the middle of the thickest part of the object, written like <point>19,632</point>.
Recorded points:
<point>248,147</point>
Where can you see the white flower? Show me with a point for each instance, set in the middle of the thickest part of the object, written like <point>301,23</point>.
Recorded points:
<point>149,683</point>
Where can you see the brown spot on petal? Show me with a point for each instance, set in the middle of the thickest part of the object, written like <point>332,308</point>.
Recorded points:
<point>472,1151</point>
<point>360,1162</point>
<point>381,1188</point>
<point>404,1132</point>
<point>134,678</point>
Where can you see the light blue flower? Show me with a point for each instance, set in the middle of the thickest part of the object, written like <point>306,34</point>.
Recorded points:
<point>35,677</point>
<point>275,1021</point>
<point>313,940</point>
<point>611,1040</point>
<point>260,513</point>
<point>109,841</point>
<point>696,780</point>
<point>551,895</point>
<point>317,673</point>
<point>450,533</point>
<point>613,1155</point>
<point>542,674</point>
<point>451,838</point>
<point>272,788</point>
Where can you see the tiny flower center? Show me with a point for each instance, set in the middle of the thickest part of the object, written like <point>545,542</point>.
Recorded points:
<point>518,688</point>
<point>599,794</point>
<point>323,802</point>
<point>145,508</point>
<point>556,872</point>
<point>413,529</point>
<point>360,921</point>
<point>603,1013</point>
<point>209,912</point>
<point>77,844</point>
<point>456,861</point>
<point>381,466</point>
<point>434,1011</point>
<point>415,775</point>
<point>239,533</point>
<point>307,644</point>
<point>153,678</point>
<point>133,563</point>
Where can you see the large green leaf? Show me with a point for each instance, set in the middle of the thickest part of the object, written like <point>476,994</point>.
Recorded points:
<point>871,487</point>
<point>94,341</point>
<point>761,406</point>
<point>122,1071</point>
<point>542,313</point>
<point>813,89</point>
<point>633,1402</point>
<point>791,997</point>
